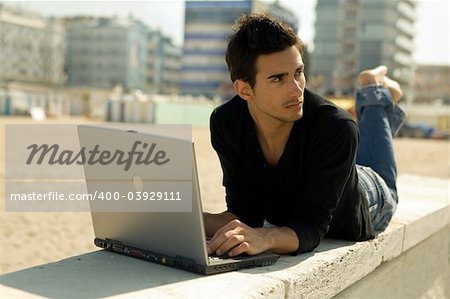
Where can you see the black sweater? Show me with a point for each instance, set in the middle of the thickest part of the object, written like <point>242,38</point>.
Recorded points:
<point>313,189</point>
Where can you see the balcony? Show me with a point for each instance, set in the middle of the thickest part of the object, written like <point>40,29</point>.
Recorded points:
<point>406,10</point>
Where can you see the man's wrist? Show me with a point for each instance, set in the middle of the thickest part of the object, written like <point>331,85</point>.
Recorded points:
<point>268,236</point>
<point>282,240</point>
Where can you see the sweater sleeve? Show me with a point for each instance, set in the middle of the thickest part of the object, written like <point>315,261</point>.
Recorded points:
<point>241,197</point>
<point>326,177</point>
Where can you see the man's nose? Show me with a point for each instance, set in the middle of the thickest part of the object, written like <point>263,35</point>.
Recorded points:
<point>296,88</point>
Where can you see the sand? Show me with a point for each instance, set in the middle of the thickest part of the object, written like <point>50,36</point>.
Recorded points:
<point>30,239</point>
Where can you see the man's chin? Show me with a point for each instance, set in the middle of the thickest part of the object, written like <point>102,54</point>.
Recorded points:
<point>294,118</point>
<point>299,115</point>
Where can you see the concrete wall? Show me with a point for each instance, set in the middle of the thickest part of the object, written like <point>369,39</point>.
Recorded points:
<point>408,260</point>
<point>417,273</point>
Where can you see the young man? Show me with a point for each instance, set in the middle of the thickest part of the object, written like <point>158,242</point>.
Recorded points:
<point>289,156</point>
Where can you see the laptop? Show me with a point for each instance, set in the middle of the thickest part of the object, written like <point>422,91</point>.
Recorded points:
<point>175,239</point>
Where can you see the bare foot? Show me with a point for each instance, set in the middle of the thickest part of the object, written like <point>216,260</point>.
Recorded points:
<point>372,77</point>
<point>377,76</point>
<point>394,88</point>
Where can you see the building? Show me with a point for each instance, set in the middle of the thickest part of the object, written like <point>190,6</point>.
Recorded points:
<point>432,84</point>
<point>163,64</point>
<point>207,26</point>
<point>353,35</point>
<point>284,14</point>
<point>32,74</point>
<point>31,48</point>
<point>105,52</point>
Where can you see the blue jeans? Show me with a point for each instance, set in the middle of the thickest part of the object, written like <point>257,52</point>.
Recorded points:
<point>379,119</point>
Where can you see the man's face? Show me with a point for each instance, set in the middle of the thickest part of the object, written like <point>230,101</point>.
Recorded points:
<point>278,92</point>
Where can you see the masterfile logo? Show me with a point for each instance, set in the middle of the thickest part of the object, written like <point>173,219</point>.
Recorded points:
<point>53,155</point>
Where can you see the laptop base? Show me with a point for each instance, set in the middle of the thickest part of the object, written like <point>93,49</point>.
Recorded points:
<point>184,263</point>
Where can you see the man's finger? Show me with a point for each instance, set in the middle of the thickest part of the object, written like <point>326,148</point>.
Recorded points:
<point>231,241</point>
<point>216,242</point>
<point>241,248</point>
<point>227,227</point>
<point>222,235</point>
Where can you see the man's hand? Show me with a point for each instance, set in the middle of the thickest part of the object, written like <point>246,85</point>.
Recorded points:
<point>236,237</point>
<point>214,222</point>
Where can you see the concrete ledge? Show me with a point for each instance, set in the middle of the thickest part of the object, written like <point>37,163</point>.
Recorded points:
<point>417,273</point>
<point>105,274</point>
<point>424,208</point>
<point>424,211</point>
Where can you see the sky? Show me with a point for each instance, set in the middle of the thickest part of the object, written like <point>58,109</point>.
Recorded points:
<point>432,25</point>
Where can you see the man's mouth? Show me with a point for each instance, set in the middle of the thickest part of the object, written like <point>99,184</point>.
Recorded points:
<point>294,105</point>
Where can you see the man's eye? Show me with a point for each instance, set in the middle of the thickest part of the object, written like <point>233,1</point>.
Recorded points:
<point>299,72</point>
<point>276,79</point>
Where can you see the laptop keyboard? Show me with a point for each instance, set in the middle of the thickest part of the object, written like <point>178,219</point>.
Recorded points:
<point>215,257</point>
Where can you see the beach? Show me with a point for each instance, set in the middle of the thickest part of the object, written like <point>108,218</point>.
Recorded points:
<point>33,238</point>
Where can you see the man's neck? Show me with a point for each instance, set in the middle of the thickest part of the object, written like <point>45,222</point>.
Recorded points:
<point>272,135</point>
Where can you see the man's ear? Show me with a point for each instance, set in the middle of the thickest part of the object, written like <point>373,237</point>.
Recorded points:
<point>243,89</point>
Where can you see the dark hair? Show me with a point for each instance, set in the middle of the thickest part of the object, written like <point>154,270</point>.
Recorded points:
<point>255,35</point>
